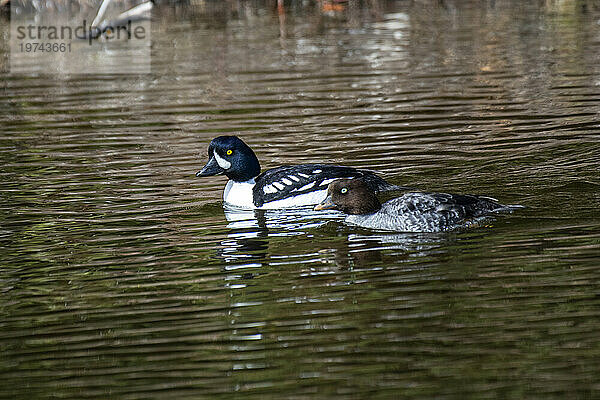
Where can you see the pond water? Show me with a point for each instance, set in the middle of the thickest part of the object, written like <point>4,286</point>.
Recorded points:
<point>121,276</point>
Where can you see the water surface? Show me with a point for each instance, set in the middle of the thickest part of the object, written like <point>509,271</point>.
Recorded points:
<point>122,277</point>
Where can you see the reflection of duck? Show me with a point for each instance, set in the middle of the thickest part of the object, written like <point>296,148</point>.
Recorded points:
<point>282,187</point>
<point>261,238</point>
<point>291,222</point>
<point>252,230</point>
<point>412,212</point>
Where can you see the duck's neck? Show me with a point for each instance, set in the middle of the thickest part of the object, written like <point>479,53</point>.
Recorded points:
<point>372,208</point>
<point>246,171</point>
<point>250,181</point>
<point>364,206</point>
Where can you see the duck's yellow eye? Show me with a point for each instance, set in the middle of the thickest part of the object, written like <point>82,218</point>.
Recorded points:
<point>229,152</point>
<point>344,191</point>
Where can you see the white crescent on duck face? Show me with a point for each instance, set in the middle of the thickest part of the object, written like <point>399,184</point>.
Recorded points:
<point>223,163</point>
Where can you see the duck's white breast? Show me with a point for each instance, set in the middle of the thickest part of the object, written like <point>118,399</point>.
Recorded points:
<point>239,194</point>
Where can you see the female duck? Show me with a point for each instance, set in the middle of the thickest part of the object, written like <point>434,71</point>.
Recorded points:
<point>412,212</point>
<point>286,186</point>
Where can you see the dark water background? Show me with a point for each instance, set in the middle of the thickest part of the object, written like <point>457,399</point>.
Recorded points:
<point>120,276</point>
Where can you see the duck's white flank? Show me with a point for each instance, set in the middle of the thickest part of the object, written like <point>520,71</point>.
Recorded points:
<point>306,199</point>
<point>239,194</point>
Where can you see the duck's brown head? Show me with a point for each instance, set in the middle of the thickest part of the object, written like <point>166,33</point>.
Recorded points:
<point>351,196</point>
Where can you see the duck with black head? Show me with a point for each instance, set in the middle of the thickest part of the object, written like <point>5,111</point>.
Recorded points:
<point>282,187</point>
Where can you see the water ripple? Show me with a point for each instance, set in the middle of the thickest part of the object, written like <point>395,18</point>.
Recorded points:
<point>122,276</point>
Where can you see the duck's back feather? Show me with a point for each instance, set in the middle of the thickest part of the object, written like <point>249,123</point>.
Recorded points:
<point>293,180</point>
<point>427,212</point>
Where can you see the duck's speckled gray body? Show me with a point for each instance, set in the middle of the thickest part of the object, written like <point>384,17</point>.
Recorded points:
<point>427,212</point>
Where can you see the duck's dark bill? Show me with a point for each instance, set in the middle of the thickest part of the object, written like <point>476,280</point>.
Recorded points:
<point>327,204</point>
<point>211,168</point>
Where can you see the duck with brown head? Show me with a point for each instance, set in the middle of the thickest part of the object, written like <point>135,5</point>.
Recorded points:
<point>412,212</point>
<point>351,196</point>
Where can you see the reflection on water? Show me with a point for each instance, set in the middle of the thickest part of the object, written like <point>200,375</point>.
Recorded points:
<point>122,276</point>
<point>250,230</point>
<point>294,221</point>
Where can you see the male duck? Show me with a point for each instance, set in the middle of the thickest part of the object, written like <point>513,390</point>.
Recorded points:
<point>282,187</point>
<point>412,212</point>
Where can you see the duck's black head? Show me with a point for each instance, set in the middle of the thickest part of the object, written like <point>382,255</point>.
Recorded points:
<point>229,155</point>
<point>351,196</point>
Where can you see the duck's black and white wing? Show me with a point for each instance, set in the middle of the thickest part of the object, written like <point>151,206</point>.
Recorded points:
<point>298,180</point>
